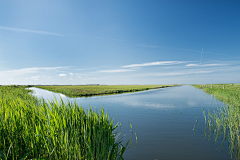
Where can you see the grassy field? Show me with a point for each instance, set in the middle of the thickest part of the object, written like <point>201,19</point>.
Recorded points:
<point>230,94</point>
<point>29,129</point>
<point>92,90</point>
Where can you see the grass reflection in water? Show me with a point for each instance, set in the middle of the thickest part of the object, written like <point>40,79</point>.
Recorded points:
<point>223,124</point>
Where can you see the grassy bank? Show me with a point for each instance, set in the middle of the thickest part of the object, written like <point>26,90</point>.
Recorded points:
<point>92,90</point>
<point>30,129</point>
<point>230,94</point>
<point>224,122</point>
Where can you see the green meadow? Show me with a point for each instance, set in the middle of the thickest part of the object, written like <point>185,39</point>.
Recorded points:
<point>31,128</point>
<point>93,90</point>
<point>230,94</point>
<point>223,123</point>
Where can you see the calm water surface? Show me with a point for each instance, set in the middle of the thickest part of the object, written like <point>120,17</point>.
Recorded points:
<point>163,119</point>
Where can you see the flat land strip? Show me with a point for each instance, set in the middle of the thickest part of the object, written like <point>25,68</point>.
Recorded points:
<point>93,90</point>
<point>230,94</point>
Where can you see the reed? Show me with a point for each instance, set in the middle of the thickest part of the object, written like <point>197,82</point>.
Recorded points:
<point>34,129</point>
<point>224,124</point>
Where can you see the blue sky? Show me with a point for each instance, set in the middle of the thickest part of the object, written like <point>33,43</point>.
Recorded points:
<point>119,42</point>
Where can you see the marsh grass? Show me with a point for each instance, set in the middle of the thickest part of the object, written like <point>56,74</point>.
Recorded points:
<point>229,95</point>
<point>29,129</point>
<point>224,122</point>
<point>93,90</point>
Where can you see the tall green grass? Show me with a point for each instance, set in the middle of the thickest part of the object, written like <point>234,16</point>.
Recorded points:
<point>29,129</point>
<point>224,124</point>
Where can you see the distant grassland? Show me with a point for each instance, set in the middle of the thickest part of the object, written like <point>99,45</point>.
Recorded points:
<point>230,94</point>
<point>92,90</point>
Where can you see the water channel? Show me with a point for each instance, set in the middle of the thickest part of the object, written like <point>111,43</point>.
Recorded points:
<point>169,122</point>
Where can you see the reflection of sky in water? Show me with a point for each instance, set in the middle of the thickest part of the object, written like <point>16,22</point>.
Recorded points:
<point>151,99</point>
<point>41,93</point>
<point>163,120</point>
<point>149,105</point>
<point>191,103</point>
<point>48,95</point>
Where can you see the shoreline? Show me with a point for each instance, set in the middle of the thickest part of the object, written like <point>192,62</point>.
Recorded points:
<point>98,90</point>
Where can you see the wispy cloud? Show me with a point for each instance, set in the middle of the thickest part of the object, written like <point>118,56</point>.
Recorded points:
<point>32,78</point>
<point>183,49</point>
<point>116,70</point>
<point>78,74</point>
<point>204,65</point>
<point>154,64</point>
<point>17,72</point>
<point>62,75</point>
<point>29,31</point>
<point>180,73</point>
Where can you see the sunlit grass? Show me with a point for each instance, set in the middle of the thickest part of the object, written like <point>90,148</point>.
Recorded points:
<point>230,94</point>
<point>92,90</point>
<point>30,129</point>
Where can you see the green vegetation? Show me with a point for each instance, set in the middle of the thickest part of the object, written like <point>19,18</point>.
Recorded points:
<point>224,122</point>
<point>230,94</point>
<point>92,90</point>
<point>29,129</point>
